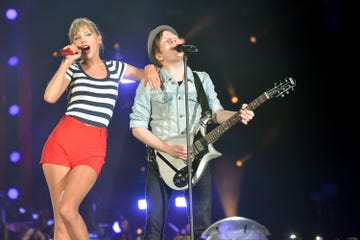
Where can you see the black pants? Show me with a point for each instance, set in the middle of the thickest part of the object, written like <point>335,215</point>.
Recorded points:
<point>158,195</point>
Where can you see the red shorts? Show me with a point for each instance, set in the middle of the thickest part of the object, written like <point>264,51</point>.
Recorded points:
<point>73,143</point>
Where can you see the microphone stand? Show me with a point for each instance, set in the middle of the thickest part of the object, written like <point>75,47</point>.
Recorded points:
<point>186,49</point>
<point>189,162</point>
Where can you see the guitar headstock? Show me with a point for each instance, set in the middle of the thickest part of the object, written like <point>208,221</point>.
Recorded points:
<point>282,88</point>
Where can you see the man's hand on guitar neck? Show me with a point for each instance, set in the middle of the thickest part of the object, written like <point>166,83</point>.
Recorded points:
<point>245,114</point>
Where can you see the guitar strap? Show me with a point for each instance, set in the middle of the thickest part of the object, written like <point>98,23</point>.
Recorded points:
<point>205,109</point>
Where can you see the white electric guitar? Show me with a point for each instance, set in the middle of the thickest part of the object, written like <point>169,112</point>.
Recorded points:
<point>174,171</point>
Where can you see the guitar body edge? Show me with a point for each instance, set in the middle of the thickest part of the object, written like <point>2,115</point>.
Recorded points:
<point>212,154</point>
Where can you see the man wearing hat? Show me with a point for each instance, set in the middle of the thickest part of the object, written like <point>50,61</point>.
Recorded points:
<point>164,111</point>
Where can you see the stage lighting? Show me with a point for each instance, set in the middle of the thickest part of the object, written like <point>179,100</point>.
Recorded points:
<point>142,204</point>
<point>50,222</point>
<point>14,110</point>
<point>234,99</point>
<point>293,236</point>
<point>11,14</point>
<point>116,227</point>
<point>13,193</point>
<point>22,210</point>
<point>13,61</point>
<point>15,157</point>
<point>35,216</point>
<point>180,202</point>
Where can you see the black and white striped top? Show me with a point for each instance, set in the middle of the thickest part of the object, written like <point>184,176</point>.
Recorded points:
<point>91,100</point>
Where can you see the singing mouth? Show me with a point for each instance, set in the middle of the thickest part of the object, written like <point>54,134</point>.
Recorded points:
<point>85,48</point>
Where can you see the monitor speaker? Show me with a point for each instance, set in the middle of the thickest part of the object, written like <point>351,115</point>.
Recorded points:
<point>236,228</point>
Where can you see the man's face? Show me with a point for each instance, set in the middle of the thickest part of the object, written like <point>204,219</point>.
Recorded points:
<point>167,42</point>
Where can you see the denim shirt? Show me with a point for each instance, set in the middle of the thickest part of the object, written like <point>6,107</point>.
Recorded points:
<point>164,110</point>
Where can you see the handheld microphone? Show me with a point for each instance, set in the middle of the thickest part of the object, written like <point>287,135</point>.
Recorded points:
<point>185,48</point>
<point>67,51</point>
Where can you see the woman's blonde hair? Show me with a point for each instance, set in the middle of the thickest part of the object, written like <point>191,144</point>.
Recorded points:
<point>83,22</point>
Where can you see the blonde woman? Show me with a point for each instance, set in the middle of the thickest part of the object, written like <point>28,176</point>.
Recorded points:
<point>74,153</point>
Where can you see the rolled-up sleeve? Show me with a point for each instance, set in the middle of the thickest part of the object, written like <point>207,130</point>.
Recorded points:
<point>141,110</point>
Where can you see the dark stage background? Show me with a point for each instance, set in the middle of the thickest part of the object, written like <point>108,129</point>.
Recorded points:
<point>300,150</point>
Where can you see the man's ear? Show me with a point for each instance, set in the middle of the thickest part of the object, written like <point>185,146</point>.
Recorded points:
<point>159,57</point>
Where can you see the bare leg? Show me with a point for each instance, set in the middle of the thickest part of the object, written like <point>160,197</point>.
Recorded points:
<point>67,190</point>
<point>55,176</point>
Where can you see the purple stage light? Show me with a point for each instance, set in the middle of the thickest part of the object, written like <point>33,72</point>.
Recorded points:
<point>15,157</point>
<point>13,193</point>
<point>11,14</point>
<point>13,61</point>
<point>14,110</point>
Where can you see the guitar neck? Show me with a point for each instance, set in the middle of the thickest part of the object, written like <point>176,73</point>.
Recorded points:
<point>258,101</point>
<point>217,132</point>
